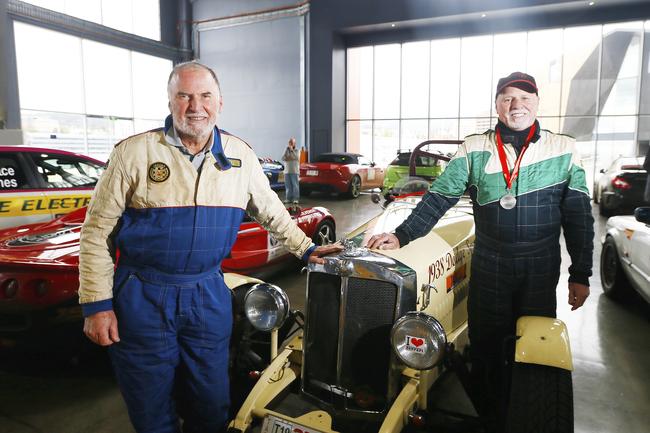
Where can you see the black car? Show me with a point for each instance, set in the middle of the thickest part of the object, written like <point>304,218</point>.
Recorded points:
<point>621,186</point>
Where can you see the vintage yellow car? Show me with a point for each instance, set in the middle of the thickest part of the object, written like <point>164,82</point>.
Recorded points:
<point>381,327</point>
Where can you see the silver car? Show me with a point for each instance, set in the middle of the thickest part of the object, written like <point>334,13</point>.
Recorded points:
<point>625,258</point>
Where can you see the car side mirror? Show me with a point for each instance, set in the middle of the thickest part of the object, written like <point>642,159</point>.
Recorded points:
<point>602,170</point>
<point>372,164</point>
<point>642,214</point>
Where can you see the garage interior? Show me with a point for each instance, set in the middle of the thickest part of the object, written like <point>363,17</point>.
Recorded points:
<point>81,76</point>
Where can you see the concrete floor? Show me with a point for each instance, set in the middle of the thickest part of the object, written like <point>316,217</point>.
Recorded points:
<point>610,343</point>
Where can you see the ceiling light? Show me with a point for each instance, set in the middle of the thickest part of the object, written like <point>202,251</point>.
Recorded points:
<point>483,15</point>
<point>592,3</point>
<point>392,25</point>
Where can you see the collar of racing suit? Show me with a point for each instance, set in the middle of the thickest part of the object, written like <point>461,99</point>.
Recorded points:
<point>517,138</point>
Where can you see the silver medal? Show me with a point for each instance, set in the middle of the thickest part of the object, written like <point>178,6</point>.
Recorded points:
<point>508,201</point>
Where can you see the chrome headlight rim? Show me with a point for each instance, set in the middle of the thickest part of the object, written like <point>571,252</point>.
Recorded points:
<point>279,300</point>
<point>436,340</point>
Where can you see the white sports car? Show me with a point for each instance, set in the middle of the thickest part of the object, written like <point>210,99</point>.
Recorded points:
<point>625,258</point>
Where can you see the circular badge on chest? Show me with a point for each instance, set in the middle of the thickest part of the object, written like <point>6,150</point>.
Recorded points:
<point>158,172</point>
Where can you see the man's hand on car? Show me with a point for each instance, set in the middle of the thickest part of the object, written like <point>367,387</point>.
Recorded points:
<point>384,241</point>
<point>101,328</point>
<point>323,250</point>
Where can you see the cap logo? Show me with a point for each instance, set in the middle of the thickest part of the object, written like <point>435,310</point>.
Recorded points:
<point>158,172</point>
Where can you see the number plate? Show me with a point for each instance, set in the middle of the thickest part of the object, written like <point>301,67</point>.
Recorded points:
<point>274,424</point>
<point>312,172</point>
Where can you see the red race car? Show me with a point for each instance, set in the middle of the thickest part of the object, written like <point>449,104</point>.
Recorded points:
<point>39,274</point>
<point>344,173</point>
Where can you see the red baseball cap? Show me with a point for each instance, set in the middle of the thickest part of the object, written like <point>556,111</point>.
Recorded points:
<point>519,80</point>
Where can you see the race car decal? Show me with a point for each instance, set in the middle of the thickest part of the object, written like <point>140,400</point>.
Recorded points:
<point>30,205</point>
<point>7,178</point>
<point>274,248</point>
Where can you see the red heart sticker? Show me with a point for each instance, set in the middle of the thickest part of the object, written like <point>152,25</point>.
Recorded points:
<point>417,342</point>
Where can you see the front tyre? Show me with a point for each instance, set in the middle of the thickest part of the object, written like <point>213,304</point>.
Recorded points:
<point>541,400</point>
<point>325,233</point>
<point>613,279</point>
<point>354,189</point>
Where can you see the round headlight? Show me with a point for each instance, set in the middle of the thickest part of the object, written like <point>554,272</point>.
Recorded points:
<point>418,340</point>
<point>266,306</point>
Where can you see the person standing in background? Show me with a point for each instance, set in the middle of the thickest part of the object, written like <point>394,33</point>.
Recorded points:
<point>291,158</point>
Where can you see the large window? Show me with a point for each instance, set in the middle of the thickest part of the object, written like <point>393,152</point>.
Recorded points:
<point>592,82</point>
<point>140,17</point>
<point>102,93</point>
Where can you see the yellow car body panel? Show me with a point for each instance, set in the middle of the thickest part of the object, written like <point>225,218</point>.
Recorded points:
<point>543,341</point>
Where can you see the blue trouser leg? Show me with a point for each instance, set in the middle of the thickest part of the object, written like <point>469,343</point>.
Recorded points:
<point>502,289</point>
<point>174,342</point>
<point>292,186</point>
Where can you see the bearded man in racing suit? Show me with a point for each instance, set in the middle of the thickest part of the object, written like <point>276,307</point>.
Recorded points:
<point>526,184</point>
<point>171,201</point>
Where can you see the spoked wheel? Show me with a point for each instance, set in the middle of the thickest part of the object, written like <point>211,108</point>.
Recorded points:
<point>613,279</point>
<point>355,187</point>
<point>541,400</point>
<point>325,233</point>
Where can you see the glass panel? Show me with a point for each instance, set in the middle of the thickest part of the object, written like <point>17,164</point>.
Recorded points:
<point>413,132</point>
<point>475,83</point>
<point>445,78</point>
<point>474,126</point>
<point>118,14</point>
<point>386,141</point>
<point>49,69</point>
<point>509,56</point>
<point>615,137</point>
<point>53,5</point>
<point>104,133</point>
<point>359,83</point>
<point>387,81</point>
<point>415,80</point>
<point>107,84</point>
<point>89,10</point>
<point>66,172</point>
<point>619,81</point>
<point>546,66</point>
<point>147,23</point>
<point>143,125</point>
<point>150,76</point>
<point>645,83</point>
<point>643,137</point>
<point>443,129</point>
<point>360,137</point>
<point>54,130</point>
<point>550,123</point>
<point>580,70</point>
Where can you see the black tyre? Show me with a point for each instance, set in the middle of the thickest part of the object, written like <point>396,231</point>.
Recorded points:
<point>354,189</point>
<point>612,276</point>
<point>604,211</point>
<point>325,233</point>
<point>541,400</point>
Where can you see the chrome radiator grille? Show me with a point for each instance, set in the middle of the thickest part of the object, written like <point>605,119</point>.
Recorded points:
<point>347,349</point>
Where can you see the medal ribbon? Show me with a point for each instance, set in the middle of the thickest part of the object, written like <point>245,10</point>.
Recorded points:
<point>510,178</point>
